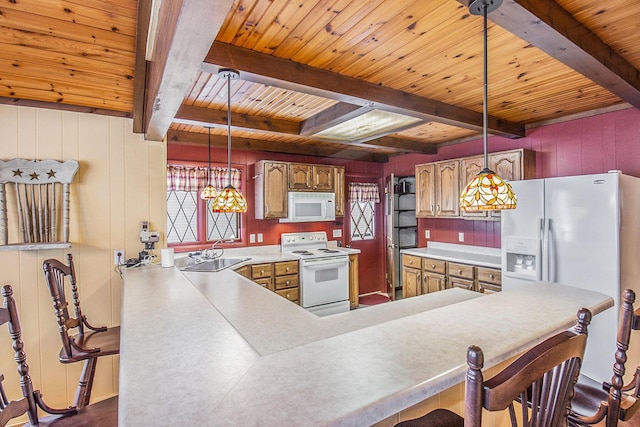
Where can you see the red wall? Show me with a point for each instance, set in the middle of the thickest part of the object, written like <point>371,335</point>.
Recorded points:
<point>591,145</point>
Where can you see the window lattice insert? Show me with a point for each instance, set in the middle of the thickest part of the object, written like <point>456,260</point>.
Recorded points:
<point>182,216</point>
<point>221,225</point>
<point>362,221</point>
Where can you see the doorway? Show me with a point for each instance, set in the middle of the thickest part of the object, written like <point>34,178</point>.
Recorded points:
<point>401,227</point>
<point>365,231</point>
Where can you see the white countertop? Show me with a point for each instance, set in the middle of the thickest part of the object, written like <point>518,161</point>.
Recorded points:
<point>217,349</point>
<point>467,254</point>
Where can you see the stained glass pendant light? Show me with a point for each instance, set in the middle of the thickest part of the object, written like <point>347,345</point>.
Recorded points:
<point>229,199</point>
<point>209,192</point>
<point>486,191</point>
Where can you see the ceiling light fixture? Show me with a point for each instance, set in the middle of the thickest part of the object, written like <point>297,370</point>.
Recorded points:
<point>229,199</point>
<point>209,192</point>
<point>486,191</point>
<point>373,123</point>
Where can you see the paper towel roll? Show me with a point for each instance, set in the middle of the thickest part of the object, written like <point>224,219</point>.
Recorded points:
<point>167,257</point>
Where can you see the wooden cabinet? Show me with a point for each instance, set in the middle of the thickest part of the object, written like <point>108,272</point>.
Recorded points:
<point>339,189</point>
<point>282,277</point>
<point>461,276</point>
<point>433,275</point>
<point>422,275</point>
<point>271,190</point>
<point>303,177</point>
<point>439,184</point>
<point>287,280</point>
<point>354,284</point>
<point>411,276</point>
<point>437,190</point>
<point>489,280</point>
<point>425,190</point>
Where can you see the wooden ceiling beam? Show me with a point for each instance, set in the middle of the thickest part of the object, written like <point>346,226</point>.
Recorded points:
<point>186,30</point>
<point>251,144</point>
<point>188,114</point>
<point>63,107</point>
<point>550,28</point>
<point>140,69</point>
<point>405,145</point>
<point>332,116</point>
<point>272,71</point>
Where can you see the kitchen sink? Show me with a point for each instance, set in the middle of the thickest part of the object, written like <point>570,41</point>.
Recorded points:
<point>213,265</point>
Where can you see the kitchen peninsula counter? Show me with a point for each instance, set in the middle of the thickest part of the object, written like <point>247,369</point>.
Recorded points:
<point>217,349</point>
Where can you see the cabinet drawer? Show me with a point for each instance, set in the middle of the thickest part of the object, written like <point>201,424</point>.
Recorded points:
<point>259,271</point>
<point>411,261</point>
<point>284,282</point>
<point>292,294</point>
<point>265,283</point>
<point>487,288</point>
<point>490,275</point>
<point>455,282</point>
<point>434,265</point>
<point>287,267</point>
<point>461,270</point>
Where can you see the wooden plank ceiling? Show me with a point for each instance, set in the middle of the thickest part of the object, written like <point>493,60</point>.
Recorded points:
<point>310,64</point>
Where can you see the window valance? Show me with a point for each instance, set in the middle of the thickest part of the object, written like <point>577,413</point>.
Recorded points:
<point>364,192</point>
<point>194,178</point>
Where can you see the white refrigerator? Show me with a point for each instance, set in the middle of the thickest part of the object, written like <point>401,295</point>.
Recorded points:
<point>582,231</point>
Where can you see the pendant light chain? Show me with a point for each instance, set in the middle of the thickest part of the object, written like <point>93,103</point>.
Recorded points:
<point>486,191</point>
<point>229,125</point>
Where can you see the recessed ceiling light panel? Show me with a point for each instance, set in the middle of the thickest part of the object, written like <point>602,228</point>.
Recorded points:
<point>366,126</point>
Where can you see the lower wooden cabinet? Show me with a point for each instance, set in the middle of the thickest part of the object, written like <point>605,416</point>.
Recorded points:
<point>422,275</point>
<point>281,277</point>
<point>354,284</point>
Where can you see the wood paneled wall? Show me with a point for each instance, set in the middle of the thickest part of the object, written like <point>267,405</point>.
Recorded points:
<point>121,182</point>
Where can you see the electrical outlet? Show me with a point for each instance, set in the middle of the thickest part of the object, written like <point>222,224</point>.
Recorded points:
<point>427,234</point>
<point>252,238</point>
<point>461,237</point>
<point>259,237</point>
<point>118,257</point>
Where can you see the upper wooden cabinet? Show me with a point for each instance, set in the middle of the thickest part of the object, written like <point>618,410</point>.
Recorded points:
<point>339,189</point>
<point>425,190</point>
<point>437,189</point>
<point>439,184</point>
<point>303,177</point>
<point>271,189</point>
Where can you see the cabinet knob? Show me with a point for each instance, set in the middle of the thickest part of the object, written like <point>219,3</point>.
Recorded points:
<point>410,261</point>
<point>491,276</point>
<point>261,271</point>
<point>459,271</point>
<point>286,269</point>
<point>481,290</point>
<point>470,287</point>
<point>433,266</point>
<point>287,282</point>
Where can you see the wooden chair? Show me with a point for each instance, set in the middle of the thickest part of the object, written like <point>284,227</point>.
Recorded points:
<point>90,342</point>
<point>103,414</point>
<point>614,401</point>
<point>542,378</point>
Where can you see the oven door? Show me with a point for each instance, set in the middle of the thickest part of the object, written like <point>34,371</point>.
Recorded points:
<point>324,281</point>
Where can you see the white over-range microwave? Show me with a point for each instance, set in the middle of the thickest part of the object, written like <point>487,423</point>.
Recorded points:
<point>309,206</point>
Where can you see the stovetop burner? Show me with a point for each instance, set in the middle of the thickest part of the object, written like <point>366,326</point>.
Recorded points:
<point>301,252</point>
<point>309,245</point>
<point>329,251</point>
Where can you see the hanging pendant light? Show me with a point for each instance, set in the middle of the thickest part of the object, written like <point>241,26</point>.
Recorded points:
<point>486,191</point>
<point>229,199</point>
<point>209,191</point>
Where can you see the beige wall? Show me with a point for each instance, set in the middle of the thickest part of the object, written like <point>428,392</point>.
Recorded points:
<point>120,183</point>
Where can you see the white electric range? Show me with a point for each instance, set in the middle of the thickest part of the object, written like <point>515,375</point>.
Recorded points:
<point>324,272</point>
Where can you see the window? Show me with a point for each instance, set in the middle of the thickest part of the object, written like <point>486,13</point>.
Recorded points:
<point>189,218</point>
<point>362,197</point>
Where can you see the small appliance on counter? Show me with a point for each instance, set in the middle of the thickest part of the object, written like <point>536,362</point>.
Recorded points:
<point>324,272</point>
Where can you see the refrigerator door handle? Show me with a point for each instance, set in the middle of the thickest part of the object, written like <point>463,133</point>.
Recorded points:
<point>552,254</point>
<point>541,249</point>
<point>545,250</point>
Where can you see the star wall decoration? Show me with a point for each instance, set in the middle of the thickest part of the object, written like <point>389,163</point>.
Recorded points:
<point>34,175</point>
<point>51,173</point>
<point>17,172</point>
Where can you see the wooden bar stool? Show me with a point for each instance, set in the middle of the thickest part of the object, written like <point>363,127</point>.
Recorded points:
<point>543,378</point>
<point>103,414</point>
<point>614,402</point>
<point>89,343</point>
